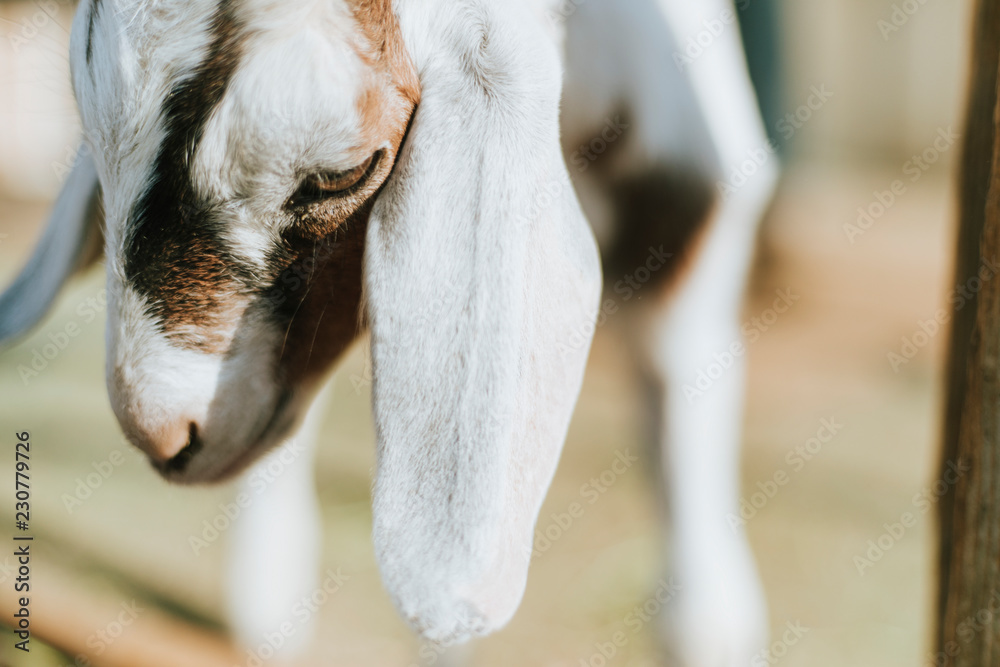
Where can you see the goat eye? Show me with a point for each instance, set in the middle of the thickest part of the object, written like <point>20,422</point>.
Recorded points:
<point>327,184</point>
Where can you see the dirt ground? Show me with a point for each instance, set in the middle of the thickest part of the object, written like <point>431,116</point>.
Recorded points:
<point>825,359</point>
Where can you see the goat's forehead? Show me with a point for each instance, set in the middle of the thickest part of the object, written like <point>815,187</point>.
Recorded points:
<point>285,100</point>
<point>171,25</point>
<point>277,60</point>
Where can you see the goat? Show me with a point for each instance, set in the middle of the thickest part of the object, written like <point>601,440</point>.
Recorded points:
<point>277,178</point>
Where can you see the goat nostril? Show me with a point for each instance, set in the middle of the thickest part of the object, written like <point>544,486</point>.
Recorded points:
<point>183,458</point>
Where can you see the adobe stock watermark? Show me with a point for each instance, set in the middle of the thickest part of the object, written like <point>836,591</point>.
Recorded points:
<point>899,17</point>
<point>262,477</point>
<point>742,174</point>
<point>921,505</point>
<point>431,652</point>
<point>591,491</point>
<point>101,640</point>
<point>965,632</point>
<point>73,154</point>
<point>928,329</point>
<point>695,46</point>
<point>565,9</point>
<point>28,28</point>
<point>793,634</point>
<point>549,194</point>
<point>301,613</point>
<point>796,459</point>
<point>88,484</point>
<point>586,154</point>
<point>752,331</point>
<point>638,618</point>
<point>626,289</point>
<point>795,120</point>
<point>914,169</point>
<point>58,341</point>
<point>787,127</point>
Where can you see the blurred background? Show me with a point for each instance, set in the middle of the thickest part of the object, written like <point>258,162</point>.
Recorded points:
<point>894,74</point>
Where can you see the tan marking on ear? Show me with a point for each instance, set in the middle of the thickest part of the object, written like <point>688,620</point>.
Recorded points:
<point>392,90</point>
<point>379,23</point>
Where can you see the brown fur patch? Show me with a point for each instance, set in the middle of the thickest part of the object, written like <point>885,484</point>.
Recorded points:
<point>660,212</point>
<point>174,254</point>
<point>320,318</point>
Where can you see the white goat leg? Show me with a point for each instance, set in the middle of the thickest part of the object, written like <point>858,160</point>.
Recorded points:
<point>719,618</point>
<point>276,543</point>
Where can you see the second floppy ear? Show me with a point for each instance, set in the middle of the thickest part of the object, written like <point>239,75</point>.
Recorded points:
<point>71,242</point>
<point>482,282</point>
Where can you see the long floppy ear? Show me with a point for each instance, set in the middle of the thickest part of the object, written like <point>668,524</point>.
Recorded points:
<point>482,284</point>
<point>71,242</point>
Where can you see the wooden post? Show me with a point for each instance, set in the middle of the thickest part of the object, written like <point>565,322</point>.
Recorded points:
<point>968,633</point>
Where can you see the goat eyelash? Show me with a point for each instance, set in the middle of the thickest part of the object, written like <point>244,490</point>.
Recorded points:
<point>318,187</point>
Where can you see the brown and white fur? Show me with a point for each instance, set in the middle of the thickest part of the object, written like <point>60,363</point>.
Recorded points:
<point>280,177</point>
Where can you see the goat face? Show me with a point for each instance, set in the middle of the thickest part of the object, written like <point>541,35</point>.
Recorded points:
<point>239,148</point>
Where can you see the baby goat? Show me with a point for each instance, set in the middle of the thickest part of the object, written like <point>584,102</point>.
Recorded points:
<point>279,177</point>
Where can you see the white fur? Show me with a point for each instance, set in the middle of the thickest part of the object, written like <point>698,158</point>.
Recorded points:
<point>472,408</point>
